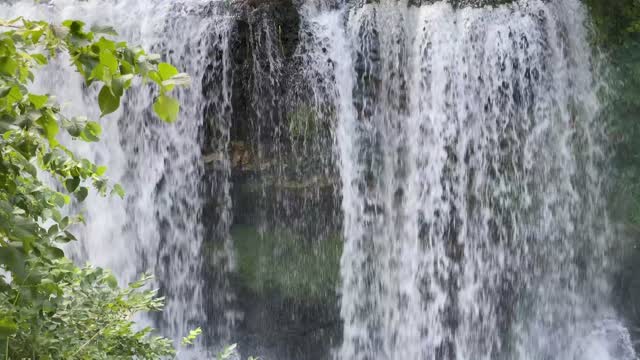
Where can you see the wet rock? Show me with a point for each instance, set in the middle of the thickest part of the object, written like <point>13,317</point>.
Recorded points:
<point>262,46</point>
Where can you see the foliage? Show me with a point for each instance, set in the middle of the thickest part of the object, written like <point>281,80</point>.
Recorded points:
<point>617,32</point>
<point>89,318</point>
<point>616,21</point>
<point>49,308</point>
<point>193,334</point>
<point>229,351</point>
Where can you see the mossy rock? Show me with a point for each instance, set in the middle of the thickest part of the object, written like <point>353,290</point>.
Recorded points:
<point>302,121</point>
<point>285,264</point>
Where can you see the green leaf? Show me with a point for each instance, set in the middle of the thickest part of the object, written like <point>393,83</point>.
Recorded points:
<point>118,190</point>
<point>14,95</point>
<point>72,184</point>
<point>111,281</point>
<point>39,58</point>
<point>74,126</point>
<point>117,86</point>
<point>88,66</point>
<point>55,253</point>
<point>64,223</point>
<point>91,132</point>
<point>109,60</point>
<point>193,334</point>
<point>36,35</point>
<point>107,101</point>
<point>7,327</point>
<point>109,30</point>
<point>155,76</point>
<point>54,229</point>
<point>101,186</point>
<point>58,200</point>
<point>50,127</point>
<point>13,259</point>
<point>82,193</point>
<point>66,237</point>
<point>4,91</point>
<point>74,26</point>
<point>101,170</point>
<point>24,230</point>
<point>8,65</point>
<point>105,43</point>
<point>167,71</point>
<point>38,101</point>
<point>167,108</point>
<point>136,285</point>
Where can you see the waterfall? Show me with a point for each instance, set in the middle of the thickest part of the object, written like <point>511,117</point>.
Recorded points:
<point>159,227</point>
<point>472,167</point>
<point>459,148</point>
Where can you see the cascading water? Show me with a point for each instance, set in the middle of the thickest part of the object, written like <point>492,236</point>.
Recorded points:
<point>470,157</point>
<point>158,228</point>
<point>472,181</point>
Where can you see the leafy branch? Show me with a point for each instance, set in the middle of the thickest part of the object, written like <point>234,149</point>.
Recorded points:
<point>48,306</point>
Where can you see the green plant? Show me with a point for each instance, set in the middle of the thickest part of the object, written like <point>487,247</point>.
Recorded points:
<point>617,32</point>
<point>616,21</point>
<point>228,351</point>
<point>50,308</point>
<point>193,334</point>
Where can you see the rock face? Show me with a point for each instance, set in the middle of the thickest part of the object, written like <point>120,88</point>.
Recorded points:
<point>268,93</point>
<point>277,155</point>
<point>282,288</point>
<point>262,47</point>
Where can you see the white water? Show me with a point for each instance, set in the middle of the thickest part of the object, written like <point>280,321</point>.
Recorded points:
<point>470,157</point>
<point>472,181</point>
<point>158,228</point>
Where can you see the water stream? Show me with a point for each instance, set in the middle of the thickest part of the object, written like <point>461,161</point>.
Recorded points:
<point>471,160</point>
